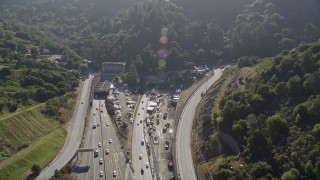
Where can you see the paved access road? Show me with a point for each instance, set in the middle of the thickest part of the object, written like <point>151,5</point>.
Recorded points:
<point>74,136</point>
<point>183,136</point>
<point>137,147</point>
<point>89,166</point>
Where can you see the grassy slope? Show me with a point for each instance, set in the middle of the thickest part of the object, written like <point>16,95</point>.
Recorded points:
<point>25,126</point>
<point>44,137</point>
<point>40,152</point>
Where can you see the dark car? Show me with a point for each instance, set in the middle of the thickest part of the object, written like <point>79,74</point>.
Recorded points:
<point>165,115</point>
<point>142,171</point>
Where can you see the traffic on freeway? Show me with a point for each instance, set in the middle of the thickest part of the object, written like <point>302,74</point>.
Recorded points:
<point>107,160</point>
<point>140,158</point>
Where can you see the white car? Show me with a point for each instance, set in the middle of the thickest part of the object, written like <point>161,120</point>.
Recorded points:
<point>110,141</point>
<point>107,151</point>
<point>100,161</point>
<point>98,124</point>
<point>147,165</point>
<point>114,173</point>
<point>140,156</point>
<point>101,173</point>
<point>99,145</point>
<point>108,124</point>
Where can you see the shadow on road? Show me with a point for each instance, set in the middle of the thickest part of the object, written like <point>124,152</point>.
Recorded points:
<point>31,177</point>
<point>80,169</point>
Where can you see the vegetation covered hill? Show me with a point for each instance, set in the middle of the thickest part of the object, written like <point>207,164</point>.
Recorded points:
<point>36,96</point>
<point>165,35</point>
<point>272,110</point>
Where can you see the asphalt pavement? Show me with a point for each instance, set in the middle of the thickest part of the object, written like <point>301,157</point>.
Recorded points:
<point>183,136</point>
<point>137,147</point>
<point>88,166</point>
<point>74,136</point>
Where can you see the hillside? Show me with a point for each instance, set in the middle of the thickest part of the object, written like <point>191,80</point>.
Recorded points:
<point>172,33</point>
<point>37,95</point>
<point>271,109</point>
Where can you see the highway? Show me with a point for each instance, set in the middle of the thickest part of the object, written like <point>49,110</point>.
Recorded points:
<point>89,166</point>
<point>183,136</point>
<point>137,147</point>
<point>75,132</point>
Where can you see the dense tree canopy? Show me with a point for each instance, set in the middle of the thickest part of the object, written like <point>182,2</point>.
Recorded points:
<point>171,33</point>
<point>276,118</point>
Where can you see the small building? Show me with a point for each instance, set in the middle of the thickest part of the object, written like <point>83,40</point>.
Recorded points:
<point>111,69</point>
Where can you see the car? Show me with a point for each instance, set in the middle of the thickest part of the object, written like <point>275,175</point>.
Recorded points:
<point>138,113</point>
<point>108,124</point>
<point>94,113</point>
<point>96,152</point>
<point>142,102</point>
<point>164,129</point>
<point>142,142</point>
<point>142,108</point>
<point>140,120</point>
<point>107,151</point>
<point>101,173</point>
<point>166,145</point>
<point>101,110</point>
<point>99,144</point>
<point>110,141</point>
<point>98,124</point>
<point>114,173</point>
<point>94,126</point>
<point>147,165</point>
<point>96,108</point>
<point>100,161</point>
<point>81,102</point>
<point>137,123</point>
<point>140,156</point>
<point>142,171</point>
<point>165,115</point>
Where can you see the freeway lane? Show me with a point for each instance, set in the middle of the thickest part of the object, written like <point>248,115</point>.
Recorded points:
<point>115,160</point>
<point>74,136</point>
<point>89,167</point>
<point>137,147</point>
<point>183,149</point>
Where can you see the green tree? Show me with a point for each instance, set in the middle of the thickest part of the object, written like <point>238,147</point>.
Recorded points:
<point>222,174</point>
<point>34,53</point>
<point>311,83</point>
<point>35,169</point>
<point>5,71</point>
<point>294,85</point>
<point>277,124</point>
<point>316,170</point>
<point>308,168</point>
<point>292,174</point>
<point>260,169</point>
<point>316,130</point>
